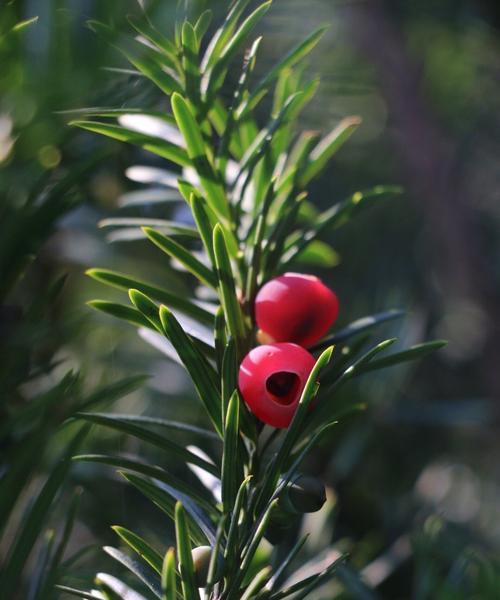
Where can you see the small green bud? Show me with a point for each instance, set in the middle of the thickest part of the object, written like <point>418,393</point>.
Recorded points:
<point>305,494</point>
<point>201,563</point>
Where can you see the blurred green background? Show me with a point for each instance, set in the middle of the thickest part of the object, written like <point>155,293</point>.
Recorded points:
<point>425,77</point>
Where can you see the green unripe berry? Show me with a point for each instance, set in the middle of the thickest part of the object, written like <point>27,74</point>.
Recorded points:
<point>279,526</point>
<point>305,494</point>
<point>201,563</point>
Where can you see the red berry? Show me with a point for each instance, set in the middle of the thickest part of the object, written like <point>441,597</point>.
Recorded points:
<point>271,380</point>
<point>295,308</point>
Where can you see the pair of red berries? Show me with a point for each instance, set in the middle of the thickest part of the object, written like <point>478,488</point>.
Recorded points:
<point>293,312</point>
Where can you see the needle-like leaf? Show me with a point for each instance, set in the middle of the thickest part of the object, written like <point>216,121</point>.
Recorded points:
<point>200,159</point>
<point>141,571</point>
<point>169,576</point>
<point>227,289</point>
<point>184,256</point>
<point>231,460</point>
<point>124,282</point>
<point>184,550</point>
<point>156,145</point>
<point>203,374</point>
<point>160,441</point>
<point>140,547</point>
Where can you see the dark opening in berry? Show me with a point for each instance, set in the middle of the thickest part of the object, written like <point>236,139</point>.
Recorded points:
<point>283,386</point>
<point>271,380</point>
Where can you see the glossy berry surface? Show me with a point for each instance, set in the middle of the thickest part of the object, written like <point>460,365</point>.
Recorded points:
<point>201,565</point>
<point>305,494</point>
<point>295,308</point>
<point>271,380</point>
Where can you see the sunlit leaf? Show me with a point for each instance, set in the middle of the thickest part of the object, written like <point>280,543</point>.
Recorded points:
<point>120,311</point>
<point>184,256</point>
<point>257,583</point>
<point>412,353</point>
<point>169,576</point>
<point>125,282</point>
<point>233,533</point>
<point>230,460</point>
<point>319,254</point>
<point>184,550</point>
<point>223,34</point>
<point>122,425</point>
<point>295,55</point>
<point>165,500</point>
<point>251,548</point>
<point>148,197</point>
<point>23,24</point>
<point>149,62</point>
<point>145,28</point>
<point>360,326</point>
<point>156,145</point>
<point>227,288</point>
<point>141,571</point>
<point>159,126</point>
<point>338,215</point>
<point>81,594</point>
<point>140,546</point>
<point>214,76</point>
<point>154,175</point>
<point>129,464</point>
<point>197,152</point>
<point>265,136</point>
<point>113,588</point>
<point>205,222</point>
<point>146,306</point>
<point>203,375</point>
<point>190,63</point>
<point>292,58</point>
<point>202,24</point>
<point>166,227</point>
<point>328,146</point>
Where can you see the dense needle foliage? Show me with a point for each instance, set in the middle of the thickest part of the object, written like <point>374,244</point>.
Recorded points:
<point>246,186</point>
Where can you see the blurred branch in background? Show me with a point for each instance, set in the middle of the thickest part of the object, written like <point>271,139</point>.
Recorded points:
<point>436,171</point>
<point>39,387</point>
